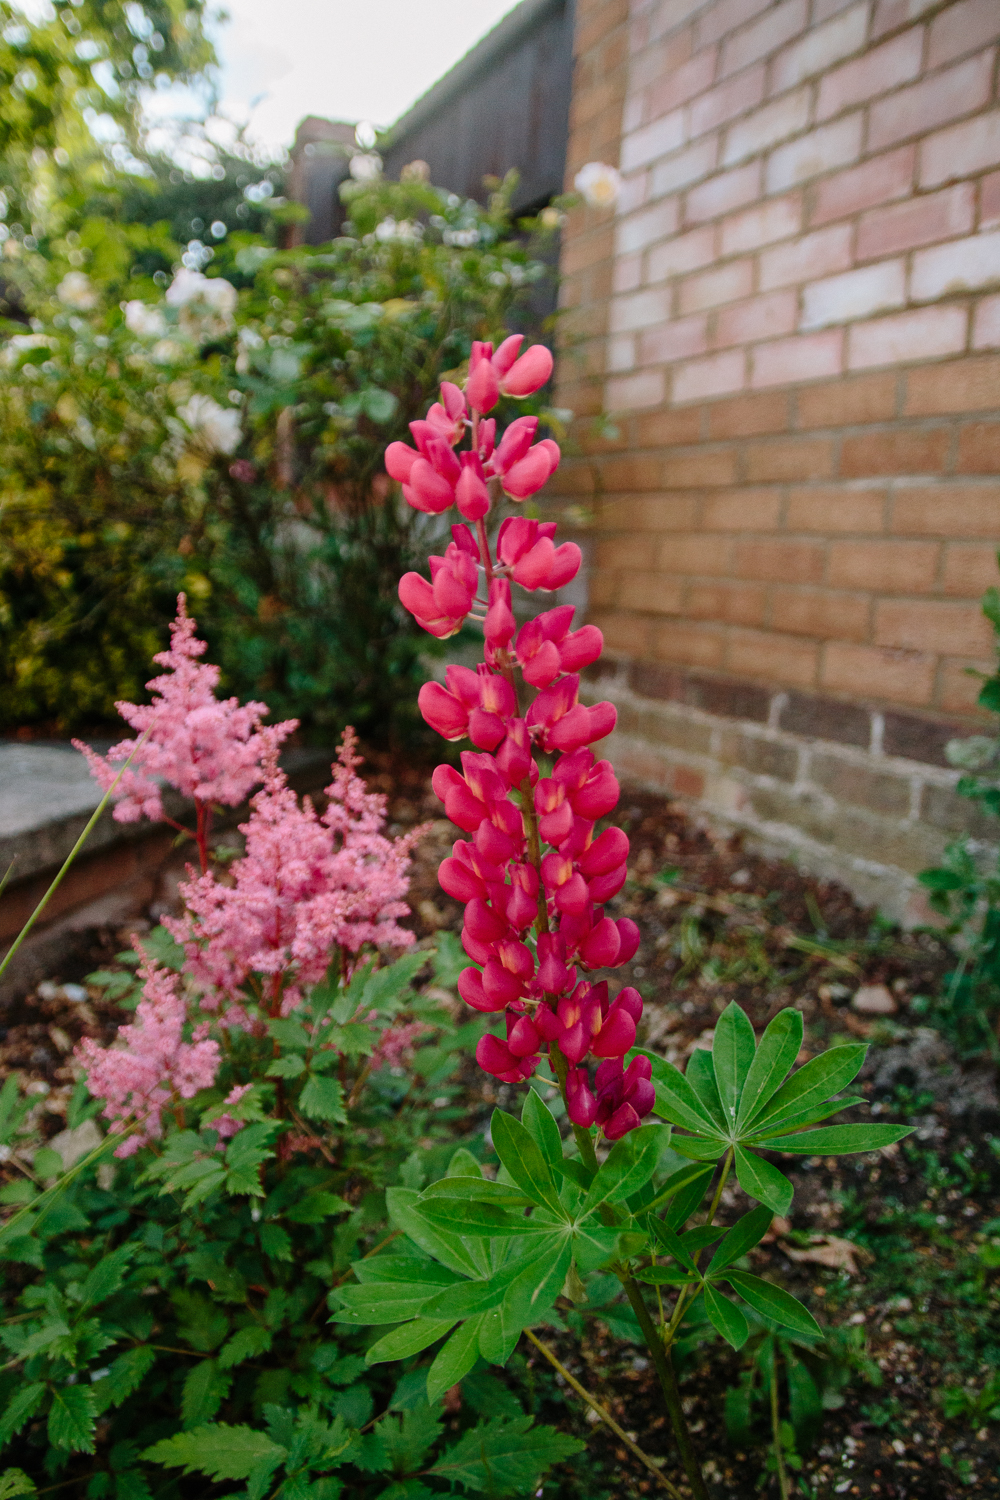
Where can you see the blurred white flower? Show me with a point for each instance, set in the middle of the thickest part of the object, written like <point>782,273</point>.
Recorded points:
<point>247,340</point>
<point>77,290</point>
<point>365,166</point>
<point>16,345</point>
<point>144,319</point>
<point>168,351</point>
<point>402,229</point>
<point>206,303</point>
<point>598,184</point>
<point>214,427</point>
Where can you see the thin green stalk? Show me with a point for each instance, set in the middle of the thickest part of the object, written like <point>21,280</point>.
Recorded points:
<point>29,924</point>
<point>685,1295</point>
<point>779,1456</point>
<point>64,1181</point>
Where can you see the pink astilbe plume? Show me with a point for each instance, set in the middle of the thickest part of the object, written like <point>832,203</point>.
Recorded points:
<point>150,1066</point>
<point>309,883</point>
<point>209,749</point>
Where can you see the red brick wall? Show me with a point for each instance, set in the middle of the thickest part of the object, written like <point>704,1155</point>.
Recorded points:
<point>793,318</point>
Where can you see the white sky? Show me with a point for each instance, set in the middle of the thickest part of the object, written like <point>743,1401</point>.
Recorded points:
<point>347,59</point>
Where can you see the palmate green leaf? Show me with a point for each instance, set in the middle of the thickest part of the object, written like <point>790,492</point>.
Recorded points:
<point>468,1298</point>
<point>524,1161</point>
<point>504,1456</point>
<point>629,1165</point>
<point>745,1233</point>
<point>480,1220</point>
<point>733,1050</point>
<point>205,1389</point>
<point>812,1085</point>
<point>444,1247</point>
<point>665,1276</point>
<point>455,1359</point>
<point>779,1047</point>
<point>840,1140</point>
<point>404,1342</point>
<point>20,1409</point>
<point>774,1302</point>
<point>760,1179</point>
<point>218,1450</point>
<point>726,1318</point>
<point>684,1191</point>
<point>71,1418</point>
<point>404,1270</point>
<point>126,1374</point>
<point>800,1121</point>
<point>672,1244</point>
<point>365,1306</point>
<point>322,1099</point>
<point>464,1164</point>
<point>698,1147</point>
<point>477,1189</point>
<point>700,1074</point>
<point>540,1124</point>
<point>531,1291</point>
<point>676,1100</point>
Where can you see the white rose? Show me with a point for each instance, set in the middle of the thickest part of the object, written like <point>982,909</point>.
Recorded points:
<point>16,345</point>
<point>206,303</point>
<point>144,319</point>
<point>598,184</point>
<point>77,290</point>
<point>404,229</point>
<point>214,427</point>
<point>168,351</point>
<point>366,166</point>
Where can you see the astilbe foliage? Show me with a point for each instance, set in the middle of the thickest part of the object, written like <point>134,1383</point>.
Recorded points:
<point>532,874</point>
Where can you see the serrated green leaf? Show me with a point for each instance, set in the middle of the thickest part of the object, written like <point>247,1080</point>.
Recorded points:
<point>220,1451</point>
<point>745,1233</point>
<point>404,1342</point>
<point>107,1276</point>
<point>289,1066</point>
<point>628,1166</point>
<point>246,1343</point>
<point>205,1389</point>
<point>15,1482</point>
<point>773,1302</point>
<point>47,1163</point>
<point>455,1359</point>
<point>504,1456</point>
<point>760,1179</point>
<point>779,1047</point>
<point>726,1318</point>
<point>733,1050</point>
<point>288,1032</point>
<point>812,1085</point>
<point>540,1124</point>
<point>275,1242</point>
<point>676,1100</point>
<point>20,1409</point>
<point>71,1418</point>
<point>126,1374</point>
<point>315,1207</point>
<point>323,1099</point>
<point>700,1074</point>
<point>840,1140</point>
<point>524,1161</point>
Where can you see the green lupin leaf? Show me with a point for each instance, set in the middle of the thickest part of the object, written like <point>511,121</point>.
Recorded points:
<point>745,1233</point>
<point>403,1342</point>
<point>676,1100</point>
<point>812,1085</point>
<point>524,1161</point>
<point>630,1164</point>
<point>726,1318</point>
<point>779,1047</point>
<point>455,1359</point>
<point>761,1180</point>
<point>700,1074</point>
<point>540,1124</point>
<point>732,1056</point>
<point>773,1302</point>
<point>840,1140</point>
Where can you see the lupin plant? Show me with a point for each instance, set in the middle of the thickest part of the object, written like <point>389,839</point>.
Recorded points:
<point>483,1260</point>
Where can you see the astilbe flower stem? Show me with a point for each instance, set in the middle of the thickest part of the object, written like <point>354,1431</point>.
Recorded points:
<point>532,875</point>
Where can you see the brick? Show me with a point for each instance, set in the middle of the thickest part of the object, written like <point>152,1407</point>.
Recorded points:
<point>879,180</point>
<point>671,512</point>
<point>921,221</point>
<point>961,266</point>
<point>721,193</point>
<point>926,334</point>
<point>760,318</point>
<point>978,448</point>
<point>969,569</point>
<point>692,645</point>
<point>794,458</point>
<point>725,283</point>
<point>989,201</point>
<point>820,613</point>
<point>891,14</point>
<point>804,357</point>
<point>961,28</point>
<point>813,154</point>
<point>986,324</point>
<point>813,255</point>
<point>639,310</point>
<point>913,737</point>
<point>947,511</point>
<point>746,416</point>
<point>621,353</point>
<point>760,756</point>
<point>844,403</point>
<point>675,340</point>
<point>944,96</point>
<point>714,376</point>
<point>724,17</point>
<point>899,676</point>
<point>886,567</point>
<point>931,625</point>
<point>629,392</point>
<point>775,219</point>
<point>820,48</point>
<point>634,191</point>
<point>828,510</point>
<point>780,559</point>
<point>728,603</point>
<point>970,147</point>
<point>645,228</point>
<point>906,451</point>
<point>944,808</point>
<point>645,145</point>
<point>854,294</point>
<point>742,510</point>
<point>724,103</point>
<point>622,553</point>
<point>681,84</point>
<point>880,68</point>
<point>766,126</point>
<point>686,252</point>
<point>825,719</point>
<point>684,167</point>
<point>880,791</point>
<point>650,593</point>
<point>777,658</point>
<point>661,427</point>
<point>702,467</point>
<point>824,9</point>
<point>959,691</point>
<point>969,384</point>
<point>770,31</point>
<point>632,472</point>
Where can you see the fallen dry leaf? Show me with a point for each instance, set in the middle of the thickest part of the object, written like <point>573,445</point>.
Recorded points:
<point>829,1250</point>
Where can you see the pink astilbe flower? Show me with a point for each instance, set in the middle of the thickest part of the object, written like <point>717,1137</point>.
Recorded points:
<point>209,749</point>
<point>396,1044</point>
<point>308,883</point>
<point>150,1066</point>
<point>226,1126</point>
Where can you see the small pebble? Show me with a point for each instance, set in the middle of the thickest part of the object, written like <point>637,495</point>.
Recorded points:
<point>874,1000</point>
